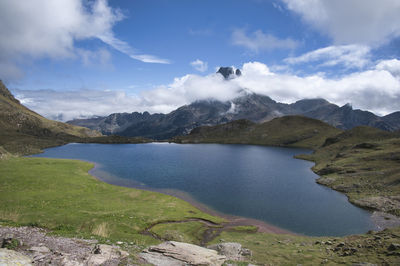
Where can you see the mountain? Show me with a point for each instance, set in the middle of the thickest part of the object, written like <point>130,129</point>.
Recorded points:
<point>393,119</point>
<point>24,131</point>
<point>181,121</point>
<point>346,118</point>
<point>254,107</point>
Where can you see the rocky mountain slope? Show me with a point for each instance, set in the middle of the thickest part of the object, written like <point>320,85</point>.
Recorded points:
<point>253,107</point>
<point>23,131</point>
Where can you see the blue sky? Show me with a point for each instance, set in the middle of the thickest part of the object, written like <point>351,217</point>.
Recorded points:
<point>115,56</point>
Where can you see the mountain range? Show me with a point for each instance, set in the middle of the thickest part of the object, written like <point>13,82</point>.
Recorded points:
<point>254,107</point>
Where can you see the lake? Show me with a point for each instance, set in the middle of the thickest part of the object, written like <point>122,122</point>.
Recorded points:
<point>264,183</point>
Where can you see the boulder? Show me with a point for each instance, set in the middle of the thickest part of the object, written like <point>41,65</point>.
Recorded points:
<point>178,253</point>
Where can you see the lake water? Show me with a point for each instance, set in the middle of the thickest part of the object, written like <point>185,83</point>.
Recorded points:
<point>264,183</point>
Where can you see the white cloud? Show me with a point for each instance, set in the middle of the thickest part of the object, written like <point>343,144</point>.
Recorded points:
<point>46,28</point>
<point>125,48</point>
<point>199,65</point>
<point>373,22</point>
<point>80,103</point>
<point>392,66</point>
<point>376,90</point>
<point>259,41</point>
<point>350,56</point>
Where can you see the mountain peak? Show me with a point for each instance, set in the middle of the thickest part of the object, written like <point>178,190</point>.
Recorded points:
<point>229,72</point>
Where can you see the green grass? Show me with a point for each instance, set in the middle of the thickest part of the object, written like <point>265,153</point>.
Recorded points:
<point>60,195</point>
<point>301,250</point>
<point>363,163</point>
<point>191,232</point>
<point>245,228</point>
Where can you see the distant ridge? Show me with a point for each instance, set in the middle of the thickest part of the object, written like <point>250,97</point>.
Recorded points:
<point>254,107</point>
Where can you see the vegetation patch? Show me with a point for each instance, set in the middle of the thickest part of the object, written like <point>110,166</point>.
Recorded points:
<point>376,247</point>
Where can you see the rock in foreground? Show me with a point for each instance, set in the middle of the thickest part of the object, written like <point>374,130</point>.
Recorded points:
<point>33,246</point>
<point>178,253</point>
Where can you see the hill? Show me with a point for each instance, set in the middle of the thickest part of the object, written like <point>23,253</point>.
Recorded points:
<point>23,131</point>
<point>292,131</point>
<point>363,163</point>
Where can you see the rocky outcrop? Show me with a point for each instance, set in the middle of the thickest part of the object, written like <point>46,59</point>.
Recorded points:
<point>178,253</point>
<point>378,203</point>
<point>33,245</point>
<point>229,72</point>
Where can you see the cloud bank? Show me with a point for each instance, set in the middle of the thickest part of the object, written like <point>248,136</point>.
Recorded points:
<point>376,89</point>
<point>36,29</point>
<point>351,21</point>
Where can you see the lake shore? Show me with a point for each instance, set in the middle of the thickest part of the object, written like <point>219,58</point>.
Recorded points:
<point>233,221</point>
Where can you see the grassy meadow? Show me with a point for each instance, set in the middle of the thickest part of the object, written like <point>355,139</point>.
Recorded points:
<point>60,195</point>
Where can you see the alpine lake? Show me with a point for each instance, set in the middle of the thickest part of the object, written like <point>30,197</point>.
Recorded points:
<point>258,182</point>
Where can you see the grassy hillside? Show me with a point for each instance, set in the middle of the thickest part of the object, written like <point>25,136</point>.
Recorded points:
<point>23,131</point>
<point>364,163</point>
<point>292,131</point>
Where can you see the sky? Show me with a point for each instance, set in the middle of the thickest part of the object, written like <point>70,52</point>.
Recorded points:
<point>69,59</point>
